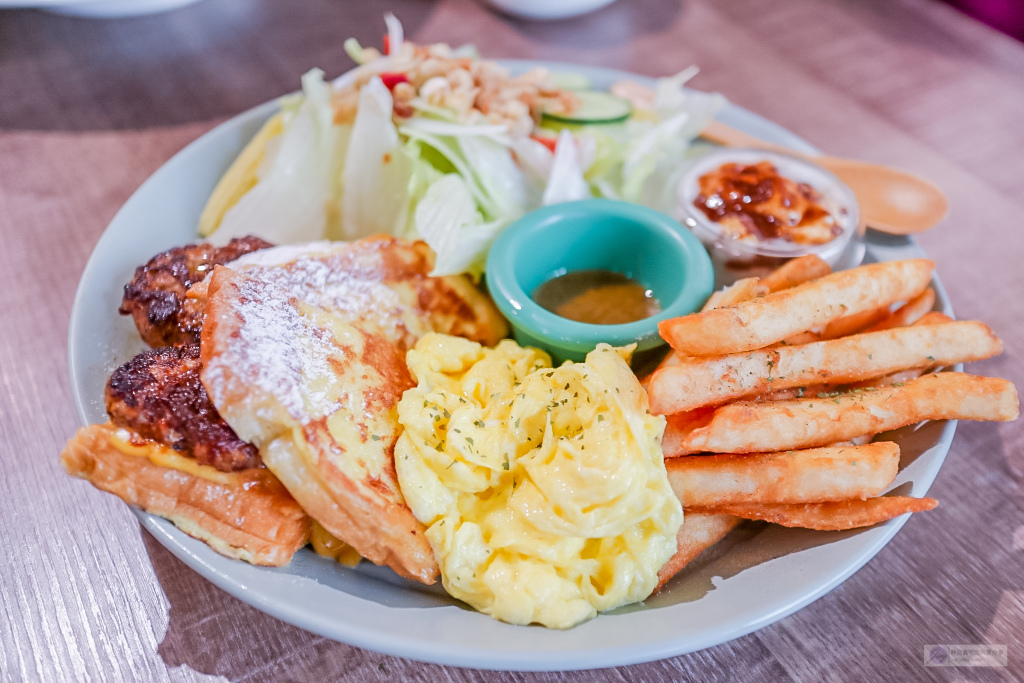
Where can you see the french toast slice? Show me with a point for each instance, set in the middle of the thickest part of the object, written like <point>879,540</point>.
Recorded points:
<point>166,450</point>
<point>303,355</point>
<point>246,515</point>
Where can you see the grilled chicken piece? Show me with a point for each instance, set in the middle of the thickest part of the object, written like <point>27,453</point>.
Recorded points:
<point>158,396</point>
<point>155,298</point>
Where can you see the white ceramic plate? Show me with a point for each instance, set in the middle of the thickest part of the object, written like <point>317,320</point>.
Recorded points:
<point>756,577</point>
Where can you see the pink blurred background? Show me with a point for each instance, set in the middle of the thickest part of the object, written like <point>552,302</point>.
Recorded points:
<point>1005,15</point>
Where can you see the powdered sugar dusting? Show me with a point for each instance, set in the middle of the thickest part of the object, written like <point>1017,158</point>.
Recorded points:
<point>289,302</point>
<point>283,353</point>
<point>279,256</point>
<point>351,280</point>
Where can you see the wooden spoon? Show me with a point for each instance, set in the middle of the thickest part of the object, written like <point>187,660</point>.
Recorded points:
<point>891,200</point>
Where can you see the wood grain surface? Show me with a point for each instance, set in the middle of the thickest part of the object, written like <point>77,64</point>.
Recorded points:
<point>88,109</point>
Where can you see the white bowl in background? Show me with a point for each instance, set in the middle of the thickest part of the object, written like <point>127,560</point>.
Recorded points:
<point>98,9</point>
<point>547,9</point>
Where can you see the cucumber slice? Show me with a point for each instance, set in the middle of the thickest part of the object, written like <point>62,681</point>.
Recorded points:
<point>567,80</point>
<point>595,107</point>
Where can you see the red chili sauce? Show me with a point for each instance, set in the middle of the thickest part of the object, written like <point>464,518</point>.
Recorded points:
<point>753,203</point>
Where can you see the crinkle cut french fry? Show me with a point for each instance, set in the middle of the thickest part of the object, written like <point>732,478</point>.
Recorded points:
<point>790,274</point>
<point>699,532</point>
<point>679,426</point>
<point>834,516</point>
<point>695,382</point>
<point>754,427</point>
<point>813,390</point>
<point>809,476</point>
<point>671,359</point>
<point>712,301</point>
<point>850,324</point>
<point>808,391</point>
<point>741,290</point>
<point>855,441</point>
<point>901,377</point>
<point>933,318</point>
<point>765,320</point>
<point>907,314</point>
<point>798,339</point>
<point>796,272</point>
<point>930,318</point>
<point>871,321</point>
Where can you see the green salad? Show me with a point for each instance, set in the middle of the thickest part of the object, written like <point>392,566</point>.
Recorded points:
<point>432,142</point>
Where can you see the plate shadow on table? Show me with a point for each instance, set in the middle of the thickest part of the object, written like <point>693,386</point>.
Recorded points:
<point>618,23</point>
<point>959,568</point>
<point>212,633</point>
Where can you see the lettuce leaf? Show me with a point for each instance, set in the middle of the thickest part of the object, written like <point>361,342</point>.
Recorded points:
<point>447,219</point>
<point>492,177</point>
<point>502,180</point>
<point>296,180</point>
<point>376,174</point>
<point>658,153</point>
<point>482,190</point>
<point>565,181</point>
<point>425,172</point>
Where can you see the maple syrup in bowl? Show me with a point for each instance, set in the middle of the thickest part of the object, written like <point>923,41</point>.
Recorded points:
<point>597,297</point>
<point>573,275</point>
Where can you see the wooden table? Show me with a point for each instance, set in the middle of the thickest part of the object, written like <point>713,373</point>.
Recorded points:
<point>88,109</point>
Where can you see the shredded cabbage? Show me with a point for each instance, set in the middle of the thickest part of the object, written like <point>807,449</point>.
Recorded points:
<point>448,220</point>
<point>357,52</point>
<point>565,181</point>
<point>396,34</point>
<point>657,153</point>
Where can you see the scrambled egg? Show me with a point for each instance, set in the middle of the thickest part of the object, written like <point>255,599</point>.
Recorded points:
<point>543,490</point>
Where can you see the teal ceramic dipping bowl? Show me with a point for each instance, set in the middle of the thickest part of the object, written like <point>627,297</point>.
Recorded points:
<point>640,243</point>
